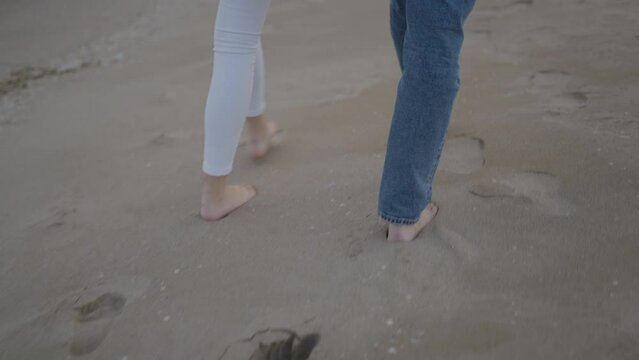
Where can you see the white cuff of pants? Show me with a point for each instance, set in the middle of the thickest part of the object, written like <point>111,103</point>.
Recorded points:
<point>213,171</point>
<point>257,111</point>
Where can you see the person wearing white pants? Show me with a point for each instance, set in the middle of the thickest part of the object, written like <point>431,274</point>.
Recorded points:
<point>236,93</point>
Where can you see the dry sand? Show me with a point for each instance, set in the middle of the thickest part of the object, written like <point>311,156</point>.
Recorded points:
<point>534,255</point>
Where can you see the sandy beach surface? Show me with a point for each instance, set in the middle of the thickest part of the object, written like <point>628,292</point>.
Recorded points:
<point>534,255</point>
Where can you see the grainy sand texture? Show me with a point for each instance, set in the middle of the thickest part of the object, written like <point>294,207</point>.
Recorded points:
<point>534,253</point>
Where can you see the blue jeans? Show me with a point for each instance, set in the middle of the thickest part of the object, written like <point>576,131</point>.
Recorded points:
<point>428,36</point>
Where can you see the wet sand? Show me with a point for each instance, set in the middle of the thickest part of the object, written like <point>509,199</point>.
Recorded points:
<point>102,254</point>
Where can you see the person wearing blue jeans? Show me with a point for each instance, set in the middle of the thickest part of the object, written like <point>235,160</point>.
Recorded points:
<point>428,36</point>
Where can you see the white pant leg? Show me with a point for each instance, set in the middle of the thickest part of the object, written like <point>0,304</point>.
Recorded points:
<point>236,52</point>
<point>258,97</point>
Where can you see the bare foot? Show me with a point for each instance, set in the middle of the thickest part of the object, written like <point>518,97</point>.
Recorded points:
<point>260,132</point>
<point>217,204</point>
<point>406,233</point>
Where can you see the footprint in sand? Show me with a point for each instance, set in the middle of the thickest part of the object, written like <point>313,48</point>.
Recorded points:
<point>353,243</point>
<point>624,347</point>
<point>463,155</point>
<point>293,348</point>
<point>51,218</point>
<point>93,321</point>
<point>75,325</point>
<point>555,86</point>
<point>162,140</point>
<point>62,329</point>
<point>505,7</point>
<point>461,246</point>
<point>549,80</point>
<point>569,101</point>
<point>541,190</point>
<point>354,248</point>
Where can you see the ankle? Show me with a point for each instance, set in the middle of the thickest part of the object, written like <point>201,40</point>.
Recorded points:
<point>214,188</point>
<point>257,124</point>
<point>397,232</point>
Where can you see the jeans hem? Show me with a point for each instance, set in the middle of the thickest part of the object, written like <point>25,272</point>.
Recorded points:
<point>397,220</point>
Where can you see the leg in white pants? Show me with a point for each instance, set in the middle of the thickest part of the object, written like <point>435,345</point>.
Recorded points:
<point>237,86</point>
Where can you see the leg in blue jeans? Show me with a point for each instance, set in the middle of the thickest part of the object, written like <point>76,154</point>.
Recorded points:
<point>428,36</point>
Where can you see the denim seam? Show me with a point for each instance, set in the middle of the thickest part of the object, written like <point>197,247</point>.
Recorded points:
<point>433,168</point>
<point>397,220</point>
